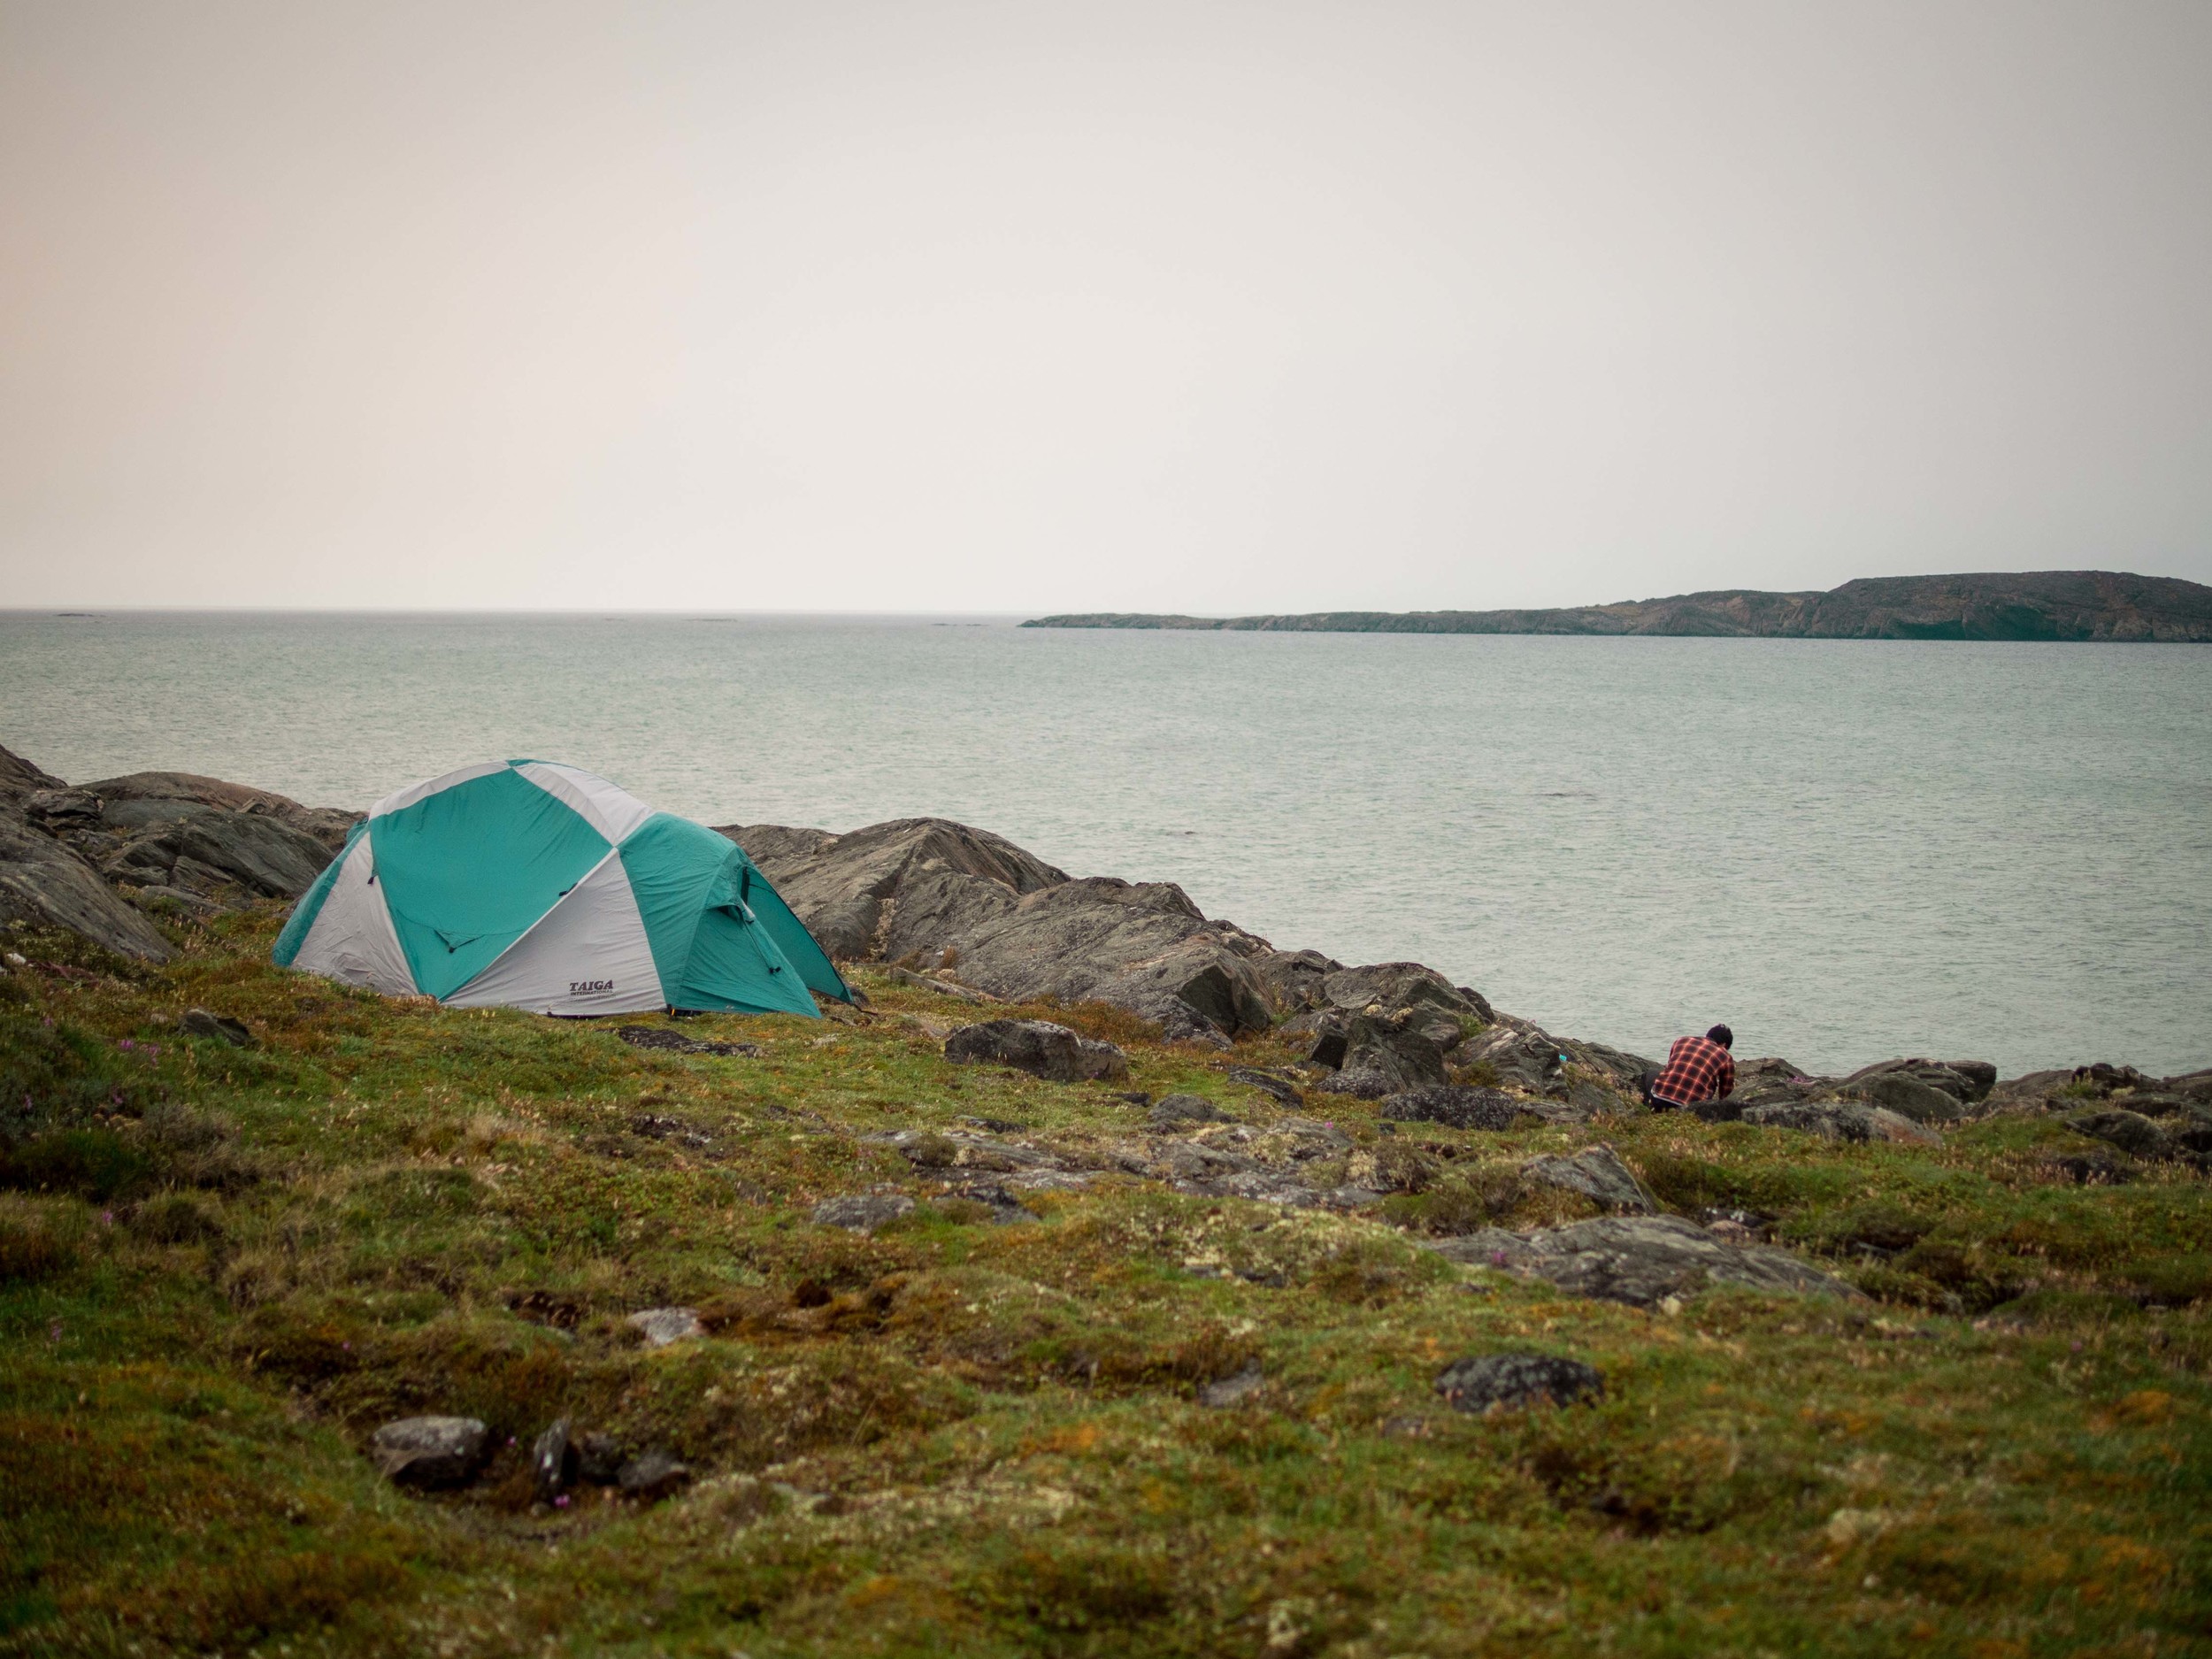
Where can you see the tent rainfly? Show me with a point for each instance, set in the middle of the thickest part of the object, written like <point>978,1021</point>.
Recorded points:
<point>524,884</point>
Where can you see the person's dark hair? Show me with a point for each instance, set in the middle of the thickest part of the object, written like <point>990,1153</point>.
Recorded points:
<point>1721,1035</point>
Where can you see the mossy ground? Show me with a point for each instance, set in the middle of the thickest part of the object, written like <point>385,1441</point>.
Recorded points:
<point>220,1269</point>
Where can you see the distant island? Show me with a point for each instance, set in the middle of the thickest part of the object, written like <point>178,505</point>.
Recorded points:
<point>2094,605</point>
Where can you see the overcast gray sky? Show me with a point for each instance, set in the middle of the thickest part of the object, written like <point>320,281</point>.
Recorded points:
<point>1199,306</point>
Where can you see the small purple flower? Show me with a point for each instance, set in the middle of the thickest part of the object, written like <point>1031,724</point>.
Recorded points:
<point>126,1044</point>
<point>1497,1258</point>
<point>107,1217</point>
<point>561,1502</point>
<point>511,1440</point>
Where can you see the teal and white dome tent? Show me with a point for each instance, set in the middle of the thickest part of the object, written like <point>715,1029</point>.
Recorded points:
<point>524,884</point>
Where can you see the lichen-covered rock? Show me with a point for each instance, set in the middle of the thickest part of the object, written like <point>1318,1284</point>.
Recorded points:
<point>1457,1107</point>
<point>1516,1054</point>
<point>1101,1062</point>
<point>1181,1111</point>
<point>657,1327</point>
<point>1843,1120</point>
<point>428,1451</point>
<point>1640,1260</point>
<point>2131,1132</point>
<point>1598,1174</point>
<point>1909,1095</point>
<point>1490,1382</point>
<point>863,1212</point>
<point>43,882</point>
<point>1038,1047</point>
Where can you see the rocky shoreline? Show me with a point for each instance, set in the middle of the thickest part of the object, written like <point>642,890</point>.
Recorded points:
<point>972,917</point>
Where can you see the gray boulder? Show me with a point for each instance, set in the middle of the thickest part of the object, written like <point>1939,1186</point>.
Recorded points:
<point>862,1212</point>
<point>1909,1095</point>
<point>847,889</point>
<point>1640,1260</point>
<point>44,883</point>
<point>1234,1389</point>
<point>1293,977</point>
<point>650,1477</point>
<point>1035,1046</point>
<point>552,1462</point>
<point>1623,1070</point>
<point>1843,1120</point>
<point>599,1459</point>
<point>1769,1080</point>
<point>1459,1108</point>
<point>263,855</point>
<point>200,1022</point>
<point>329,825</point>
<point>931,893</point>
<point>1968,1082</point>
<point>1101,1062</point>
<point>658,1327</point>
<point>1181,1111</point>
<point>1518,1055</point>
<point>1491,1382</point>
<point>1598,1174</point>
<point>1396,988</point>
<point>1382,1055</point>
<point>2131,1132</point>
<point>428,1451</point>
<point>1280,1089</point>
<point>204,846</point>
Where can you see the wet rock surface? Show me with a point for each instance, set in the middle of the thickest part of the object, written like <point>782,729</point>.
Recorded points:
<point>1491,1382</point>
<point>1640,1260</point>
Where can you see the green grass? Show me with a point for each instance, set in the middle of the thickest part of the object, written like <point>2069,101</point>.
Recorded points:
<point>220,1270</point>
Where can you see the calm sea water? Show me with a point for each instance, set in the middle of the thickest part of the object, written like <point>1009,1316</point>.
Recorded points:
<point>1846,850</point>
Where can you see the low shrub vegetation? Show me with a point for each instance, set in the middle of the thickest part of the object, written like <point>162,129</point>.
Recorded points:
<point>1110,1418</point>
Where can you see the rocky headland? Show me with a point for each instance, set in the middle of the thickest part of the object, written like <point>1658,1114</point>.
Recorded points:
<point>970,917</point>
<point>2073,606</point>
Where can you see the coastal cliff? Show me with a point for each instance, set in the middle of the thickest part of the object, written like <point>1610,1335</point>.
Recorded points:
<point>2052,605</point>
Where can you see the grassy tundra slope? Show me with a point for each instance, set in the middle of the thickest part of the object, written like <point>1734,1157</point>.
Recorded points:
<point>222,1268</point>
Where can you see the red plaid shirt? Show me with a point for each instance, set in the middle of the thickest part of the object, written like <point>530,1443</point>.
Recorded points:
<point>1697,1069</point>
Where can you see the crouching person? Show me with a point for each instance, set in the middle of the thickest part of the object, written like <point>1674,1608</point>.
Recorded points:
<point>1697,1069</point>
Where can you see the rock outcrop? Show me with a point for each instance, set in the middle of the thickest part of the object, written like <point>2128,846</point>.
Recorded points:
<point>1640,1260</point>
<point>428,1451</point>
<point>930,894</point>
<point>85,858</point>
<point>1491,1382</point>
<point>45,882</point>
